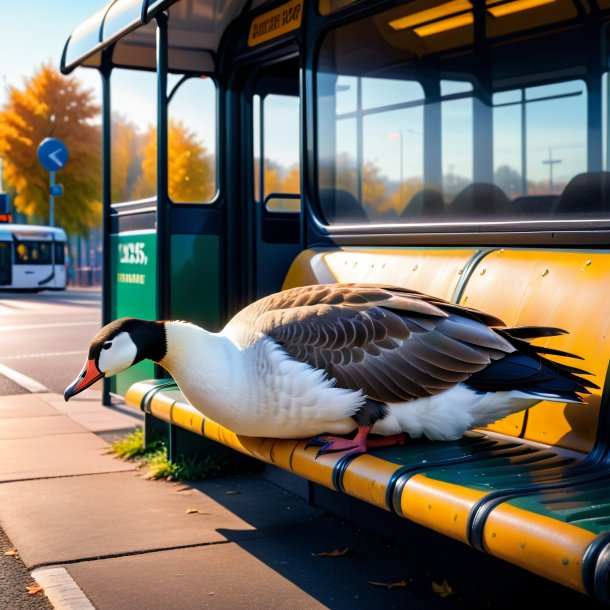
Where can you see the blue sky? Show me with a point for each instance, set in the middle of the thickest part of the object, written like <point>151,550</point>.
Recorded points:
<point>34,32</point>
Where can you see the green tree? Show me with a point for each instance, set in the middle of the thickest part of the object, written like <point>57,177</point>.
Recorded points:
<point>51,105</point>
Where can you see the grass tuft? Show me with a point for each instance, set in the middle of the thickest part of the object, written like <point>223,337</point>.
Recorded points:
<point>132,446</point>
<point>154,458</point>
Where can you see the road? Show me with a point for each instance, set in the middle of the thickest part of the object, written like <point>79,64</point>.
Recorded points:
<point>45,336</point>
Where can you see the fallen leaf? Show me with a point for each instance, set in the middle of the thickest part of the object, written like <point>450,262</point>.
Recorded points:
<point>10,553</point>
<point>232,492</point>
<point>190,511</point>
<point>184,488</point>
<point>443,590</point>
<point>335,553</point>
<point>401,584</point>
<point>34,589</point>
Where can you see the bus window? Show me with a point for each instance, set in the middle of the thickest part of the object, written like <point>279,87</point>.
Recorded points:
<point>33,253</point>
<point>192,142</point>
<point>60,255</point>
<point>456,137</point>
<point>414,125</point>
<point>133,134</point>
<point>280,151</point>
<point>5,262</point>
<point>540,140</point>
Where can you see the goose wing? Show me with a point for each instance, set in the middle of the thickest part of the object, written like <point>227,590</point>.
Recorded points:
<point>394,344</point>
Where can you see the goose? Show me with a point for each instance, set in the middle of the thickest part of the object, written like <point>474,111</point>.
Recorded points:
<point>323,361</point>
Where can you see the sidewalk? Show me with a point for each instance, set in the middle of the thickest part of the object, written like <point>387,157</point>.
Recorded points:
<point>95,533</point>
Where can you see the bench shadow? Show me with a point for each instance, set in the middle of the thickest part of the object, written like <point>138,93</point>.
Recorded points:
<point>289,534</point>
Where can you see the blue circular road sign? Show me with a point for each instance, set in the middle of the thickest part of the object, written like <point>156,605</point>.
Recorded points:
<point>52,154</point>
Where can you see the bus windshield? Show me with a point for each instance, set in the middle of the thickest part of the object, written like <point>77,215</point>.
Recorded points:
<point>426,117</point>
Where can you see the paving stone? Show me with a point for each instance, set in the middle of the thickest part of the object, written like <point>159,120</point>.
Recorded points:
<point>123,513</point>
<point>56,455</point>
<point>24,405</point>
<point>38,427</point>
<point>218,576</point>
<point>89,400</point>
<point>87,410</point>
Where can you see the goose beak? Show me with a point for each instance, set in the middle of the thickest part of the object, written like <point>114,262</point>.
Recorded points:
<point>88,376</point>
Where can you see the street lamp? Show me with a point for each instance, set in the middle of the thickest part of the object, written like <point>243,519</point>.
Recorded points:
<point>393,135</point>
<point>550,162</point>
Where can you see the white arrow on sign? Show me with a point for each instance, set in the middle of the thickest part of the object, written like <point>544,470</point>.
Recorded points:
<point>54,154</point>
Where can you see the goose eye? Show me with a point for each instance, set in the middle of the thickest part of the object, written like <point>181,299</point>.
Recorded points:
<point>107,345</point>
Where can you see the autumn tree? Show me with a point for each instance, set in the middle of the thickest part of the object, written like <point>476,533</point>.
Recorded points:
<point>191,176</point>
<point>125,158</point>
<point>51,105</point>
<point>374,188</point>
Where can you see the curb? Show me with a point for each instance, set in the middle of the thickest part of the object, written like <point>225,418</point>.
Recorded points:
<point>61,589</point>
<point>27,383</point>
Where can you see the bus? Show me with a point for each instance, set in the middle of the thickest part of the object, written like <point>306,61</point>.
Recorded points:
<point>32,258</point>
<point>459,148</point>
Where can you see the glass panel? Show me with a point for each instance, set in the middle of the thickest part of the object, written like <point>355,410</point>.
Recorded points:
<point>415,124</point>
<point>539,143</point>
<point>85,37</point>
<point>5,262</point>
<point>121,14</point>
<point>281,171</point>
<point>377,167</point>
<point>605,139</point>
<point>134,136</point>
<point>192,142</point>
<point>556,135</point>
<point>456,146</point>
<point>33,253</point>
<point>256,142</point>
<point>60,254</point>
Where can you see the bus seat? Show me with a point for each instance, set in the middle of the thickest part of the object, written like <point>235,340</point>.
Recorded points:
<point>435,271</point>
<point>340,206</point>
<point>533,204</point>
<point>480,199</point>
<point>587,193</point>
<point>529,287</point>
<point>425,203</point>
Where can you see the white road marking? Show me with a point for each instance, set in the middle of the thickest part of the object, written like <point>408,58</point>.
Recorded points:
<point>31,385</point>
<point>47,355</point>
<point>15,327</point>
<point>61,589</point>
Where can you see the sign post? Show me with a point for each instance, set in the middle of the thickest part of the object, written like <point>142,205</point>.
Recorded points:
<point>53,155</point>
<point>5,201</point>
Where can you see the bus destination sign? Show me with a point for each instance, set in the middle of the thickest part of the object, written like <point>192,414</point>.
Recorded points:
<point>274,23</point>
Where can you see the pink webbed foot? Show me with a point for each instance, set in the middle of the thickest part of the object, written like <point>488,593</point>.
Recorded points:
<point>334,444</point>
<point>359,444</point>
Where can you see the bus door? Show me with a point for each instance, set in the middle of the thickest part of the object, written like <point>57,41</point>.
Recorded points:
<point>276,195</point>
<point>5,262</point>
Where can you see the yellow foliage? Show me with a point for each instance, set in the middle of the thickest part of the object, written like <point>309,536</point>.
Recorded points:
<point>51,105</point>
<point>191,175</point>
<point>124,152</point>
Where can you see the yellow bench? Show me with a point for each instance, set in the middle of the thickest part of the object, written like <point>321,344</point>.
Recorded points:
<point>532,489</point>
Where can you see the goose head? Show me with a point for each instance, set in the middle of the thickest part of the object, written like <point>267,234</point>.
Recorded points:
<point>118,346</point>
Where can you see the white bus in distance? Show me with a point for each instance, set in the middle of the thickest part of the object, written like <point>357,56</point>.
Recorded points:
<point>32,257</point>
